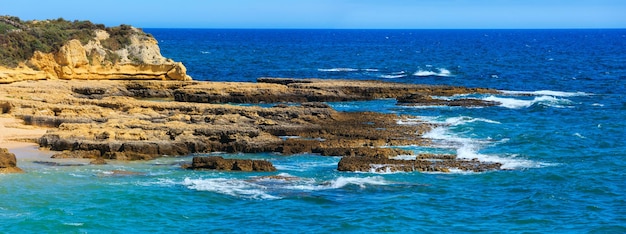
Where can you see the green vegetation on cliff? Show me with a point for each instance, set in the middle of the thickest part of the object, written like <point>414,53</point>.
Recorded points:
<point>20,39</point>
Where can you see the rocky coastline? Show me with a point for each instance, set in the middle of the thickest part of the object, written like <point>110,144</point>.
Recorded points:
<point>143,120</point>
<point>145,106</point>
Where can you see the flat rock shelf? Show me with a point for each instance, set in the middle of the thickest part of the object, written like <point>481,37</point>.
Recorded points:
<point>118,120</point>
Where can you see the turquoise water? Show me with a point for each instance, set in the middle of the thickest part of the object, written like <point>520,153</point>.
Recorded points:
<point>560,131</point>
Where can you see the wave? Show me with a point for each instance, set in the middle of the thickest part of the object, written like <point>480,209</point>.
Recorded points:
<point>231,187</point>
<point>283,183</point>
<point>452,121</point>
<point>362,182</point>
<point>470,151</point>
<point>468,148</point>
<point>339,69</point>
<point>546,93</point>
<point>441,72</point>
<point>392,76</point>
<point>514,103</point>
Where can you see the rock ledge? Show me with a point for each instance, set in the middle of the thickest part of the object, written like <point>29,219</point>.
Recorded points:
<point>222,164</point>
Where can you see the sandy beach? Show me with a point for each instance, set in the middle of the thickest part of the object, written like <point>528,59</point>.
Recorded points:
<point>17,137</point>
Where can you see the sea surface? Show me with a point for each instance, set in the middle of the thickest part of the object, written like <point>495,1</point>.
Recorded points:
<point>561,130</point>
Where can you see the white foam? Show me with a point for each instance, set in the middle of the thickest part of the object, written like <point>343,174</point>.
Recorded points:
<point>404,157</point>
<point>231,187</point>
<point>393,76</point>
<point>579,136</point>
<point>371,70</point>
<point>514,103</point>
<point>452,170</point>
<point>340,182</point>
<point>546,93</point>
<point>470,151</point>
<point>509,102</point>
<point>409,121</point>
<point>74,224</point>
<point>454,121</point>
<point>441,72</point>
<point>362,182</point>
<point>339,69</point>
<point>468,148</point>
<point>376,168</point>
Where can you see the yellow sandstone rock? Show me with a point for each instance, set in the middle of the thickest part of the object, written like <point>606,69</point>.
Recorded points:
<point>141,60</point>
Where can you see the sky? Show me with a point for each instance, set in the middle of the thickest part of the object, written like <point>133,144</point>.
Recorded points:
<point>370,14</point>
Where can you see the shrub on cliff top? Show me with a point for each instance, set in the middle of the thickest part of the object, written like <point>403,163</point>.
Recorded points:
<point>118,37</point>
<point>20,39</point>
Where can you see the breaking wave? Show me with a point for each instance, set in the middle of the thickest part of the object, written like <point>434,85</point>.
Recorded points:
<point>339,69</point>
<point>468,148</point>
<point>440,72</point>
<point>266,188</point>
<point>452,121</point>
<point>232,187</point>
<point>514,103</point>
<point>546,93</point>
<point>394,75</point>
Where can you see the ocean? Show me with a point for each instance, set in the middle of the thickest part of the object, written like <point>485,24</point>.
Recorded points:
<point>560,131</point>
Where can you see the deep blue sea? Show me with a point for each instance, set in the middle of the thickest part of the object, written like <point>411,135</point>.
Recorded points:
<point>561,129</point>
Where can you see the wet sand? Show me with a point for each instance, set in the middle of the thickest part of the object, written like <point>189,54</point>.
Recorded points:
<point>19,139</point>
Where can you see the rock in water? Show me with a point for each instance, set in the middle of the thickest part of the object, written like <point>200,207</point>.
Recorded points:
<point>219,163</point>
<point>98,161</point>
<point>8,162</point>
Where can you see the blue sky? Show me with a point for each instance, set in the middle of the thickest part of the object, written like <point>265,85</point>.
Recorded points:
<point>330,13</point>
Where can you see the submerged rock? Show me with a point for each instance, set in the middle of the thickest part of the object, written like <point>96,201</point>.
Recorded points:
<point>98,161</point>
<point>222,164</point>
<point>59,164</point>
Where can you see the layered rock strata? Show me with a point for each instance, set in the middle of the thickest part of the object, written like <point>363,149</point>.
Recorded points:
<point>141,59</point>
<point>139,120</point>
<point>274,90</point>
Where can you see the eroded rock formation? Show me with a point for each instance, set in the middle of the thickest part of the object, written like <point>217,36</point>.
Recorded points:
<point>8,162</point>
<point>141,59</point>
<point>139,120</point>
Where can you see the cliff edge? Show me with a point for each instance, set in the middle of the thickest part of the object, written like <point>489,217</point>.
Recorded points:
<point>80,50</point>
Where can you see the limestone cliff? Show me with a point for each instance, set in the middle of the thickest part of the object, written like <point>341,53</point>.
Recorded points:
<point>100,58</point>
